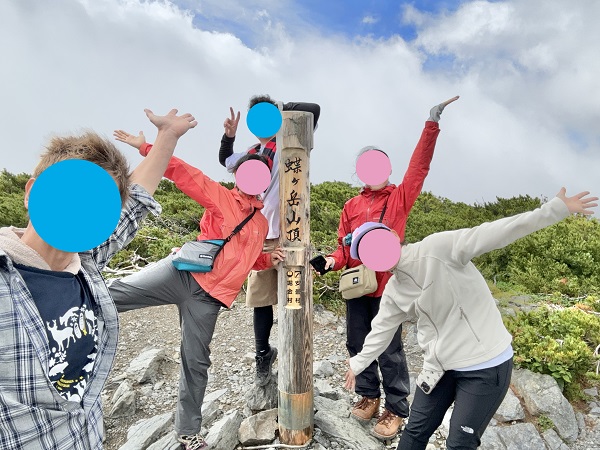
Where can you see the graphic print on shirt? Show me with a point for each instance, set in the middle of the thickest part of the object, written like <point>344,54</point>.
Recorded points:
<point>71,337</point>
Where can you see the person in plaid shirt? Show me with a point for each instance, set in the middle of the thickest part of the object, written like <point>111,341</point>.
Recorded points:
<point>42,406</point>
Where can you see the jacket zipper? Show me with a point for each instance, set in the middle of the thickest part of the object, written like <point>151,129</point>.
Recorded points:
<point>463,315</point>
<point>436,332</point>
<point>369,208</point>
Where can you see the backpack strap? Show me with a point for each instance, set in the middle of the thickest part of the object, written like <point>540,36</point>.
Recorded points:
<point>237,229</point>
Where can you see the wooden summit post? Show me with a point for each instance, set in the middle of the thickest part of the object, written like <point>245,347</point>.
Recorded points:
<point>295,306</point>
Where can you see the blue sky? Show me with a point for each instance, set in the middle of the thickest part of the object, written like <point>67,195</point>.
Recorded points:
<point>347,18</point>
<point>379,18</point>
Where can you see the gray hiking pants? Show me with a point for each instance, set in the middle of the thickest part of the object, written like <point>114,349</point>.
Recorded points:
<point>163,284</point>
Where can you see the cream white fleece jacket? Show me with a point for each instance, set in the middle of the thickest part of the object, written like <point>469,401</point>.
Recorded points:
<point>435,282</point>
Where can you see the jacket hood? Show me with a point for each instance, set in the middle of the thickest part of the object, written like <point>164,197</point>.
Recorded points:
<point>384,192</point>
<point>21,253</point>
<point>252,201</point>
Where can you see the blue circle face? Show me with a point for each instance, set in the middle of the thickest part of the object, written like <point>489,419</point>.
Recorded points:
<point>264,120</point>
<point>74,205</point>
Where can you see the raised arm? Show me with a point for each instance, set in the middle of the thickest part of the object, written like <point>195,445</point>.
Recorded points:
<point>306,107</point>
<point>418,167</point>
<point>190,180</point>
<point>469,243</point>
<point>230,125</point>
<point>170,128</point>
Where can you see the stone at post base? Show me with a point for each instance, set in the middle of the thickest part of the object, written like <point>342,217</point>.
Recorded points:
<point>261,398</point>
<point>223,435</point>
<point>259,429</point>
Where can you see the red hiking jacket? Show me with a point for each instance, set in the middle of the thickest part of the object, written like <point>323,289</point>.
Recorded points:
<point>367,206</point>
<point>225,209</point>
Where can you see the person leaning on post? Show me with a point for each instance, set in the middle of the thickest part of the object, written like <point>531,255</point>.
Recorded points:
<point>200,296</point>
<point>262,286</point>
<point>467,349</point>
<point>37,411</point>
<point>391,205</point>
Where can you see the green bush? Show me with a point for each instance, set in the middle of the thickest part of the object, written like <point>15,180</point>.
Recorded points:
<point>562,260</point>
<point>559,343</point>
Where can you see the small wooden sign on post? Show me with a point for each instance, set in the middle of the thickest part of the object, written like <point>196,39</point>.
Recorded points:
<point>295,312</point>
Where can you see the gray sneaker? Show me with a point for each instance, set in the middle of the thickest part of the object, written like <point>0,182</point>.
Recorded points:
<point>194,442</point>
<point>264,365</point>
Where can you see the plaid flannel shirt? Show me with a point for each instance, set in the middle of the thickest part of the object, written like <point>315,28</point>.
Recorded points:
<point>32,413</point>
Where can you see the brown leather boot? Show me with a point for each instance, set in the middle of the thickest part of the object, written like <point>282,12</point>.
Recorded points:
<point>366,409</point>
<point>387,426</point>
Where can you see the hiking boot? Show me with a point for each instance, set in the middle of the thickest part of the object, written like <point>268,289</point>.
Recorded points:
<point>264,365</point>
<point>366,409</point>
<point>387,426</point>
<point>194,442</point>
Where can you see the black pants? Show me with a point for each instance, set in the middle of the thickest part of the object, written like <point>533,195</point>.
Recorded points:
<point>392,362</point>
<point>476,394</point>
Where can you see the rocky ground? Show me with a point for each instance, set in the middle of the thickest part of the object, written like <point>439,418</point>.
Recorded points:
<point>232,373</point>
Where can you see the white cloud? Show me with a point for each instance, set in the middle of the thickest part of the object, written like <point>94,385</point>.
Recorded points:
<point>369,20</point>
<point>526,72</point>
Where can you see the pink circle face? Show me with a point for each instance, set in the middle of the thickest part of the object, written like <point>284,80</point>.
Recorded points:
<point>253,177</point>
<point>373,167</point>
<point>379,250</point>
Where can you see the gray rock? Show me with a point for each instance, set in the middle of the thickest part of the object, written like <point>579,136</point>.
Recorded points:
<point>339,408</point>
<point>491,440</point>
<point>508,312</point>
<point>261,398</point>
<point>595,411</point>
<point>167,442</point>
<point>210,411</point>
<point>580,421</point>
<point>542,395</point>
<point>593,392</point>
<point>147,431</point>
<point>324,317</point>
<point>223,435</point>
<point>259,429</point>
<point>522,436</point>
<point>510,409</point>
<point>323,369</point>
<point>123,401</point>
<point>348,432</point>
<point>215,395</point>
<point>321,439</point>
<point>324,389</point>
<point>145,366</point>
<point>554,441</point>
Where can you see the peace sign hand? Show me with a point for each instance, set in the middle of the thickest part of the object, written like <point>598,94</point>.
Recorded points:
<point>231,124</point>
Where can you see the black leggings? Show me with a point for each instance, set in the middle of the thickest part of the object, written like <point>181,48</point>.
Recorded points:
<point>476,394</point>
<point>263,322</point>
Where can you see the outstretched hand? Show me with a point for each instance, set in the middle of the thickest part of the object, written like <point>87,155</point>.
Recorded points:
<point>231,123</point>
<point>578,204</point>
<point>172,123</point>
<point>350,378</point>
<point>436,112</point>
<point>134,141</point>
